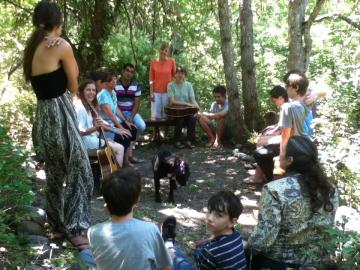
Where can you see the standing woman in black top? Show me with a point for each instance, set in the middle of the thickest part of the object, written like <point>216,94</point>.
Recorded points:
<point>53,71</point>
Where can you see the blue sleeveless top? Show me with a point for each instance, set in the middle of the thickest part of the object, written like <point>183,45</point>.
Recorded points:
<point>49,85</point>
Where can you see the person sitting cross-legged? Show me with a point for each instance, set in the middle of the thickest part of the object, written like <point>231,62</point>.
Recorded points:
<point>214,121</point>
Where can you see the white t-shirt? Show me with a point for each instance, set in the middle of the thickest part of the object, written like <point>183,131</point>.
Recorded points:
<point>85,121</point>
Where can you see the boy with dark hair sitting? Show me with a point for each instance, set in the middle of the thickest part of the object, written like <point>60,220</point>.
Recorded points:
<point>224,249</point>
<point>124,242</point>
<point>214,121</point>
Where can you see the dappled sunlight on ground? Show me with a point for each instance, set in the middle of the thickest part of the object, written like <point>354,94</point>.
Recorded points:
<point>211,171</point>
<point>185,216</point>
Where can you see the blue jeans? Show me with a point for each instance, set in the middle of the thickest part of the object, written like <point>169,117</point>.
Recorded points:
<point>138,122</point>
<point>87,258</point>
<point>181,262</point>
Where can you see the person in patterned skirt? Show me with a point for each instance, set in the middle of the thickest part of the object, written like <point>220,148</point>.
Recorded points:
<point>53,71</point>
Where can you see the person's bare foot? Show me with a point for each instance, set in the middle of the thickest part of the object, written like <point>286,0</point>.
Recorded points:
<point>216,144</point>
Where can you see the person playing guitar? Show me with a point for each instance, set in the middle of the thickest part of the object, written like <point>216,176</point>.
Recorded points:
<point>181,93</point>
<point>89,123</point>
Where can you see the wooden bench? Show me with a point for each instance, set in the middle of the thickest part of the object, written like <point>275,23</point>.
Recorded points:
<point>156,124</point>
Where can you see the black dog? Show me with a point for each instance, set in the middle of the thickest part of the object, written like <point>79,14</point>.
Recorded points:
<point>165,164</point>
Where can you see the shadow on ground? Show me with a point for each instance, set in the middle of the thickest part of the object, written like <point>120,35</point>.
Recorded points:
<point>211,170</point>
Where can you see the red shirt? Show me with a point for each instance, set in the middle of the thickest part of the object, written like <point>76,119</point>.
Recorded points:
<point>161,73</point>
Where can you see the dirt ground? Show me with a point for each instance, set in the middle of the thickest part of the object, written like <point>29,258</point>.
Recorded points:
<point>211,170</point>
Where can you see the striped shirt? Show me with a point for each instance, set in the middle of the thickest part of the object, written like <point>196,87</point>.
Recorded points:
<point>222,252</point>
<point>126,95</point>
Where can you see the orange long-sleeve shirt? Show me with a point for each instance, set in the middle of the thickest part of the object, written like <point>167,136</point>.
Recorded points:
<point>161,73</point>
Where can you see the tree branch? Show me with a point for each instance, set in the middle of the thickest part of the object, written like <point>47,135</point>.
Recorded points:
<point>314,13</point>
<point>349,21</point>
<point>131,32</point>
<point>338,16</point>
<point>14,68</point>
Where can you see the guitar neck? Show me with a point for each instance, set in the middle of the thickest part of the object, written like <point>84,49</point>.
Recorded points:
<point>101,128</point>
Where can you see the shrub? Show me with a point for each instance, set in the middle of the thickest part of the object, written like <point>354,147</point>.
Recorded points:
<point>15,193</point>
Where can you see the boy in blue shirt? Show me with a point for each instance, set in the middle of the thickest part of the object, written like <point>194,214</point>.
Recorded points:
<point>224,249</point>
<point>124,242</point>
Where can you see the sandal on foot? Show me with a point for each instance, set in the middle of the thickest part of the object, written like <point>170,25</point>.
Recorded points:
<point>80,242</point>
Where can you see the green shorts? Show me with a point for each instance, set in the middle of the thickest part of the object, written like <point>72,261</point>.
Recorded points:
<point>227,129</point>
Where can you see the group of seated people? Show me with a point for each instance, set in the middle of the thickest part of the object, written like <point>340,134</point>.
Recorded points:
<point>294,212</point>
<point>113,104</point>
<point>295,104</point>
<point>180,92</point>
<point>104,102</point>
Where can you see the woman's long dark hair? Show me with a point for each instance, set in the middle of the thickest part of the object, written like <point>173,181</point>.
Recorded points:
<point>80,94</point>
<point>46,16</point>
<point>313,180</point>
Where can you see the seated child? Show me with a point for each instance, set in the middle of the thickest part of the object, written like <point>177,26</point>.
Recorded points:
<point>224,249</point>
<point>214,121</point>
<point>124,242</point>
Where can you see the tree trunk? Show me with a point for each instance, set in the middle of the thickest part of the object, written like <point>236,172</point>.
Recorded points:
<point>99,32</point>
<point>240,132</point>
<point>296,18</point>
<point>300,42</point>
<point>249,93</point>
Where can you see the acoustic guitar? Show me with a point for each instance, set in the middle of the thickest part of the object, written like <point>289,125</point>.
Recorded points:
<point>107,160</point>
<point>180,110</point>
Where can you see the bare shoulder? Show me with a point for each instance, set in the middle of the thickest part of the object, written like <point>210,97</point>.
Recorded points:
<point>65,45</point>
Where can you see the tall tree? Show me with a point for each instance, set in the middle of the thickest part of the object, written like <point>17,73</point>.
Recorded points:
<point>300,42</point>
<point>247,62</point>
<point>239,129</point>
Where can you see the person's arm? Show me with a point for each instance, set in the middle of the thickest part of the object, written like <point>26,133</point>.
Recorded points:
<point>136,103</point>
<point>173,69</point>
<point>107,110</point>
<point>135,108</point>
<point>69,64</point>
<point>81,119</point>
<point>173,101</point>
<point>285,135</point>
<point>205,259</point>
<point>151,80</point>
<point>192,97</point>
<point>217,115</point>
<point>266,231</point>
<point>314,94</point>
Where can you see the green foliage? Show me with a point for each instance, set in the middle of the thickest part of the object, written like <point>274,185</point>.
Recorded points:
<point>344,248</point>
<point>18,116</point>
<point>15,193</point>
<point>335,62</point>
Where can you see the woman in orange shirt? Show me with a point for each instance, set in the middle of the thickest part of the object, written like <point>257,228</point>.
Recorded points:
<point>162,71</point>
